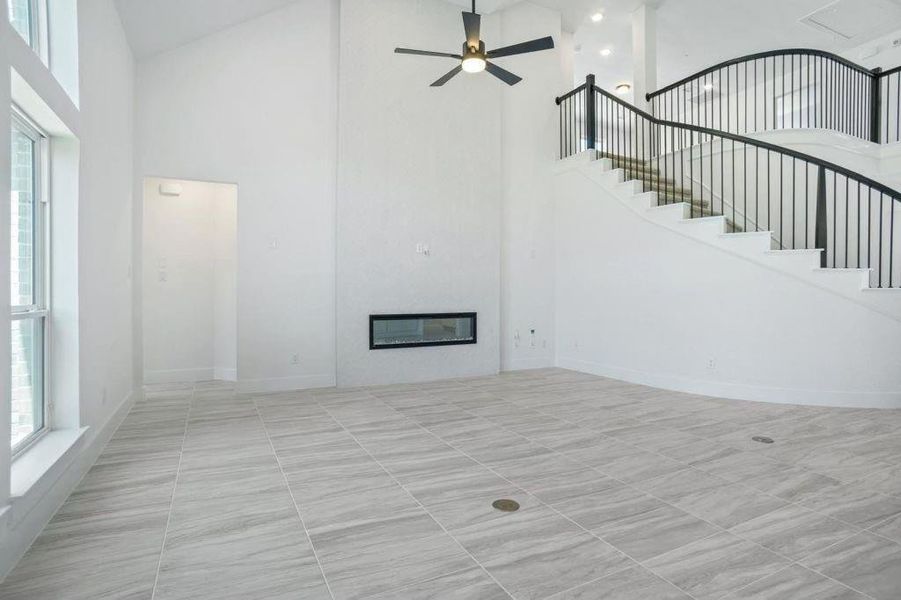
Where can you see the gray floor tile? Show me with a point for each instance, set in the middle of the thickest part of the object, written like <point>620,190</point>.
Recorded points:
<point>890,528</point>
<point>565,486</point>
<point>468,584</point>
<point>231,475</point>
<point>711,498</point>
<point>794,532</point>
<point>796,583</point>
<point>634,583</point>
<point>261,559</point>
<point>792,483</point>
<point>393,565</point>
<point>866,562</point>
<point>716,566</point>
<point>536,553</point>
<point>855,505</point>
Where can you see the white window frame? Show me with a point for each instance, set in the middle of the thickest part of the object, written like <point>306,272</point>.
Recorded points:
<point>37,28</point>
<point>39,310</point>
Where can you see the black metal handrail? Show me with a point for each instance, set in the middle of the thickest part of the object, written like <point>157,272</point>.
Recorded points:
<point>806,202</point>
<point>787,89</point>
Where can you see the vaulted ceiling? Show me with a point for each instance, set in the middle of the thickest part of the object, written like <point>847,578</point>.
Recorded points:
<point>692,34</point>
<point>155,26</point>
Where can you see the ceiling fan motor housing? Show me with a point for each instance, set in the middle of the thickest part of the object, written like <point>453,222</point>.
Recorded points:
<point>473,52</point>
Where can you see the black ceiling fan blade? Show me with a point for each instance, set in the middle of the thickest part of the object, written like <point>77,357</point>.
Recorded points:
<point>472,24</point>
<point>427,53</point>
<point>545,43</point>
<point>503,74</point>
<point>450,75</point>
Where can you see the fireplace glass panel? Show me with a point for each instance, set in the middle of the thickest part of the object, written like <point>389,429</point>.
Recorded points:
<point>404,331</point>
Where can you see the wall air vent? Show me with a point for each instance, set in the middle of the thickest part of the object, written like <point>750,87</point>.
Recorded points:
<point>855,20</point>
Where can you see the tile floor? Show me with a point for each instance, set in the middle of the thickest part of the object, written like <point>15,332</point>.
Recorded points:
<point>627,493</point>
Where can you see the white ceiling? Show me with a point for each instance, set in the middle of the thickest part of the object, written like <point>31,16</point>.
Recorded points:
<point>155,26</point>
<point>692,34</point>
<point>695,34</point>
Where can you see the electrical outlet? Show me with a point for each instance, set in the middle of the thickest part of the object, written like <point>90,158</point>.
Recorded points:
<point>711,364</point>
<point>295,359</point>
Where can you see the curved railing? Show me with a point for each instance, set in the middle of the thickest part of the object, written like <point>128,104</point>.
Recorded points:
<point>787,89</point>
<point>806,202</point>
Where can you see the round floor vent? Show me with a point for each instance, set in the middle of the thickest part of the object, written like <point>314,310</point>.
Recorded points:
<point>506,505</point>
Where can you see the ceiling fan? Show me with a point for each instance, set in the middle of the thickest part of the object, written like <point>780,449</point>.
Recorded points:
<point>475,59</point>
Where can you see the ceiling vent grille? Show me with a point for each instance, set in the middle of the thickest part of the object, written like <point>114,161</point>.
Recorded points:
<point>854,19</point>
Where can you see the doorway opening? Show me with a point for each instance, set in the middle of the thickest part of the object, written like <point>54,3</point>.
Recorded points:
<point>189,287</point>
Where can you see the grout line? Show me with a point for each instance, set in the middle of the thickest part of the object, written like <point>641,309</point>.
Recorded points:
<point>491,391</point>
<point>181,452</point>
<point>504,427</point>
<point>415,499</point>
<point>293,499</point>
<point>798,562</point>
<point>449,444</point>
<point>857,532</point>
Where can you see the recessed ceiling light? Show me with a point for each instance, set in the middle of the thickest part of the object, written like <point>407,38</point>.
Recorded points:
<point>597,17</point>
<point>623,88</point>
<point>708,86</point>
<point>606,52</point>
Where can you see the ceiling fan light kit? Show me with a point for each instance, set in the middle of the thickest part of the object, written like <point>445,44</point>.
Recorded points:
<point>474,58</point>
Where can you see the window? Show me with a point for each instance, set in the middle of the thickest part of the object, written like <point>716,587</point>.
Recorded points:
<point>28,282</point>
<point>23,14</point>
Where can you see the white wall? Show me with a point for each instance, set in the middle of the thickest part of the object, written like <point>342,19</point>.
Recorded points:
<point>105,210</point>
<point>256,105</point>
<point>639,302</point>
<point>92,185</point>
<point>416,165</point>
<point>529,148</point>
<point>189,262</point>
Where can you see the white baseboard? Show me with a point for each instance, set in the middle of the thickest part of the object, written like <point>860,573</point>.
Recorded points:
<point>225,374</point>
<point>737,391</point>
<point>526,364</point>
<point>25,523</point>
<point>179,375</point>
<point>285,384</point>
<point>191,375</point>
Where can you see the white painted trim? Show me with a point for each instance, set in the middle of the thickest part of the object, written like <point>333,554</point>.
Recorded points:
<point>735,390</point>
<point>525,364</point>
<point>225,374</point>
<point>38,467</point>
<point>609,179</point>
<point>286,384</point>
<point>179,375</point>
<point>28,516</point>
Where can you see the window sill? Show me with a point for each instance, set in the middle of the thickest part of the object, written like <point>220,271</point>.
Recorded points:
<point>34,471</point>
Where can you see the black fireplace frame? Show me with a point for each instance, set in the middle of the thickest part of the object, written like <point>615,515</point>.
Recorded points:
<point>407,316</point>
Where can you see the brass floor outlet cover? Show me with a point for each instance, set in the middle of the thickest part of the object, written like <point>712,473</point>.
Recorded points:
<point>506,505</point>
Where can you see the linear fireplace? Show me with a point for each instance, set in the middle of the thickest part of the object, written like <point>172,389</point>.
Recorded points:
<point>411,330</point>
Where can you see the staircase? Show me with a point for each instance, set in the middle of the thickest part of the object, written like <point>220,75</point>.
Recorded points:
<point>806,204</point>
<point>760,247</point>
<point>667,192</point>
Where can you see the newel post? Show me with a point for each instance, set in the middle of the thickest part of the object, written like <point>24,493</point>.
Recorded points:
<point>875,105</point>
<point>591,113</point>
<point>821,240</point>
